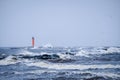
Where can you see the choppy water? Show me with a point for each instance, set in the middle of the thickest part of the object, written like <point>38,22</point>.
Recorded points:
<point>59,63</point>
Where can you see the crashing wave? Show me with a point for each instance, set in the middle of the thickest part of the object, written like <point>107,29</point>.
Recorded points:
<point>9,60</point>
<point>71,66</point>
<point>100,50</point>
<point>82,53</point>
<point>27,53</point>
<point>107,50</point>
<point>35,47</point>
<point>48,45</point>
<point>113,50</point>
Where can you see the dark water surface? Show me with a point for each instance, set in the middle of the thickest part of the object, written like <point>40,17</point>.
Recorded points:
<point>59,63</point>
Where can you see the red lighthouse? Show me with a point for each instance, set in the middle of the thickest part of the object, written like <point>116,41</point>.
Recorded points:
<point>33,42</point>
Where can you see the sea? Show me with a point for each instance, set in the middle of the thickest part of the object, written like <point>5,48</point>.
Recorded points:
<point>60,63</point>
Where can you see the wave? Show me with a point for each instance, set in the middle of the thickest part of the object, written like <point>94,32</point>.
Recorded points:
<point>34,47</point>
<point>32,54</point>
<point>82,53</point>
<point>47,45</point>
<point>27,53</point>
<point>111,50</point>
<point>9,60</point>
<point>3,56</point>
<point>89,74</point>
<point>64,56</point>
<point>71,66</point>
<point>100,50</point>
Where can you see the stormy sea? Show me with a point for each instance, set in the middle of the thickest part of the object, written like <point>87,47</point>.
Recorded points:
<point>60,63</point>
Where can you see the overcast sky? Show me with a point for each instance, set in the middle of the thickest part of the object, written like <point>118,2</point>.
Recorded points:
<point>60,22</point>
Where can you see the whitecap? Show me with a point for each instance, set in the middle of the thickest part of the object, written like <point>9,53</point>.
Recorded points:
<point>105,74</point>
<point>82,53</point>
<point>64,56</point>
<point>27,53</point>
<point>48,45</point>
<point>107,50</point>
<point>113,50</point>
<point>8,60</point>
<point>71,66</point>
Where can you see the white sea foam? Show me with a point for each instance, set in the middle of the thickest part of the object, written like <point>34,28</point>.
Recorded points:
<point>108,50</point>
<point>61,55</point>
<point>113,50</point>
<point>8,60</point>
<point>42,53</point>
<point>27,53</point>
<point>105,74</point>
<point>38,71</point>
<point>13,60</point>
<point>64,56</point>
<point>35,47</point>
<point>71,66</point>
<point>86,53</point>
<point>48,45</point>
<point>82,53</point>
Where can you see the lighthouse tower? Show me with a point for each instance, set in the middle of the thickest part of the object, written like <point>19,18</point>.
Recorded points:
<point>33,42</point>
